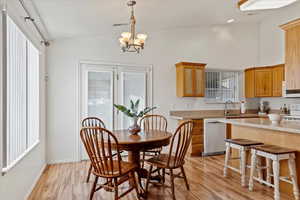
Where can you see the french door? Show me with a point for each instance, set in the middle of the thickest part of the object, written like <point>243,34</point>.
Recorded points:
<point>103,85</point>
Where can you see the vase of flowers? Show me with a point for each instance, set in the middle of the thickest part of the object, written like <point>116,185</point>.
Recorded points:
<point>134,113</point>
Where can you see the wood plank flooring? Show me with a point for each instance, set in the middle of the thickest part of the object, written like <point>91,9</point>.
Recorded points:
<point>67,182</point>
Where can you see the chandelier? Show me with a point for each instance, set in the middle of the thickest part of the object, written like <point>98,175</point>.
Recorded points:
<point>130,41</point>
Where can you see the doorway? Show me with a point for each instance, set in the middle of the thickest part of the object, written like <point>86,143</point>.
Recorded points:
<point>102,85</point>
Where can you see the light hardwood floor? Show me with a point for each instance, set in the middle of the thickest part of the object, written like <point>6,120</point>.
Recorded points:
<point>67,182</point>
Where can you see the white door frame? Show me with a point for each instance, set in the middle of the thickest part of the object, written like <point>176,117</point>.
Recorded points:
<point>110,65</point>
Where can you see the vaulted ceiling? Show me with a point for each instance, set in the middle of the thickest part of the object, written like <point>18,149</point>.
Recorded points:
<point>73,18</point>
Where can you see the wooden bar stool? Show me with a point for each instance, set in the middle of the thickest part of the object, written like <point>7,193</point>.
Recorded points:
<point>274,154</point>
<point>243,145</point>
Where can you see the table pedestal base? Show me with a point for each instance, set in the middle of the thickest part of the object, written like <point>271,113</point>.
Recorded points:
<point>134,157</point>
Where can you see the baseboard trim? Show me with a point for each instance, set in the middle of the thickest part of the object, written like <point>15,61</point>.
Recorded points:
<point>35,181</point>
<point>62,161</point>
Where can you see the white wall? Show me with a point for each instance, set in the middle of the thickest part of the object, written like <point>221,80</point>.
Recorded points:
<point>18,182</point>
<point>272,40</point>
<point>232,47</point>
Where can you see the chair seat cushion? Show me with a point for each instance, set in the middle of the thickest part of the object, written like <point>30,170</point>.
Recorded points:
<point>243,142</point>
<point>272,149</point>
<point>161,161</point>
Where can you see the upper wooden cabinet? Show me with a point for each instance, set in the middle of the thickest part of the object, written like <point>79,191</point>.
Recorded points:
<point>292,54</point>
<point>264,81</point>
<point>190,79</point>
<point>278,77</point>
<point>249,83</point>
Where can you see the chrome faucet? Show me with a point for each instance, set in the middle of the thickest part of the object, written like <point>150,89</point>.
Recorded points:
<point>226,107</point>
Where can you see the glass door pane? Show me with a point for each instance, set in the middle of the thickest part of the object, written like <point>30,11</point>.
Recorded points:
<point>133,87</point>
<point>97,97</point>
<point>100,96</point>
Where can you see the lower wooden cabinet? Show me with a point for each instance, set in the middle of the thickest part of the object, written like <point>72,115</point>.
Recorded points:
<point>264,81</point>
<point>197,145</point>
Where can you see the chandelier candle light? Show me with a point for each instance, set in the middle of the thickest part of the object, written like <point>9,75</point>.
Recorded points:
<point>130,41</point>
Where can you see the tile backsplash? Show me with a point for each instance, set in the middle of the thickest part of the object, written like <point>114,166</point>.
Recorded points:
<point>191,103</point>
<point>199,104</point>
<point>276,103</point>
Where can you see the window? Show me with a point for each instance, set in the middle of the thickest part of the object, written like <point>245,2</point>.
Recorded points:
<point>21,132</point>
<point>222,86</point>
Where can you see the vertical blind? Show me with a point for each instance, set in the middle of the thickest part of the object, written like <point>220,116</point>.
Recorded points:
<point>222,86</point>
<point>32,94</point>
<point>22,93</point>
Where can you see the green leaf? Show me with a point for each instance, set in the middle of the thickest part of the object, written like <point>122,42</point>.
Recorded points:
<point>133,111</point>
<point>145,111</point>
<point>124,110</point>
<point>131,105</point>
<point>136,105</point>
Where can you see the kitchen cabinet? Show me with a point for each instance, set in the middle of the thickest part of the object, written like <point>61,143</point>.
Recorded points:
<point>292,54</point>
<point>190,79</point>
<point>264,81</point>
<point>278,78</point>
<point>249,83</point>
<point>197,144</point>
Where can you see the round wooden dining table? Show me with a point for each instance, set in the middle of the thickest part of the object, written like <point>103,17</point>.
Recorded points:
<point>135,143</point>
<point>144,140</point>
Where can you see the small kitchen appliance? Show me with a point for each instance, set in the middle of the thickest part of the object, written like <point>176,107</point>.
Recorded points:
<point>263,108</point>
<point>294,113</point>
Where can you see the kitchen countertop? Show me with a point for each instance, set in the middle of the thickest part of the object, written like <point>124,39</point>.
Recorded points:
<point>284,126</point>
<point>206,114</point>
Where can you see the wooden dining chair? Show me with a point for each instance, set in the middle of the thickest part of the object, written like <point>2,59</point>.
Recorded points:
<point>91,122</point>
<point>153,122</point>
<point>100,145</point>
<point>175,158</point>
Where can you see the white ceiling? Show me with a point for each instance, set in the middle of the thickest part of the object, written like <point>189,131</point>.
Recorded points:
<point>73,18</point>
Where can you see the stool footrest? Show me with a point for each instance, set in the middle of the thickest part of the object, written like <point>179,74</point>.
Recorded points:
<point>234,169</point>
<point>263,181</point>
<point>282,178</point>
<point>286,179</point>
<point>235,158</point>
<point>261,167</point>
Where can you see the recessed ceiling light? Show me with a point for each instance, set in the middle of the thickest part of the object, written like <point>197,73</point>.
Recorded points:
<point>230,21</point>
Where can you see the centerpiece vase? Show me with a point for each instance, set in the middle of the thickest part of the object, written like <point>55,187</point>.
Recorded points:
<point>134,128</point>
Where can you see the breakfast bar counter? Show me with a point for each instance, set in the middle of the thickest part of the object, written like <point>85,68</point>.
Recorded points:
<point>264,123</point>
<point>285,134</point>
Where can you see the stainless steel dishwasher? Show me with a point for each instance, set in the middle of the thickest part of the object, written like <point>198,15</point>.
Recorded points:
<point>214,136</point>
